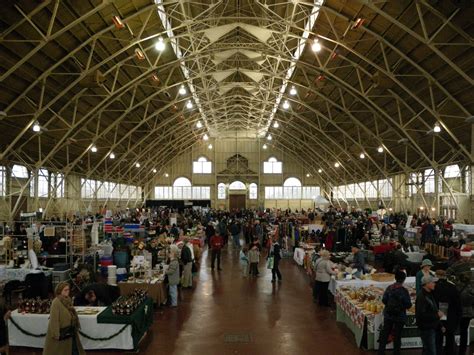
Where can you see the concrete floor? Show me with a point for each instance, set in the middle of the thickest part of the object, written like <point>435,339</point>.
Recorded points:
<point>229,314</point>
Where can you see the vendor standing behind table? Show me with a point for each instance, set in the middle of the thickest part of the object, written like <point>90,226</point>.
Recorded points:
<point>425,270</point>
<point>97,295</point>
<point>62,337</point>
<point>358,261</point>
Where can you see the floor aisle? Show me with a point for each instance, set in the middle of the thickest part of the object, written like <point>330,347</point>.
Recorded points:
<point>228,314</point>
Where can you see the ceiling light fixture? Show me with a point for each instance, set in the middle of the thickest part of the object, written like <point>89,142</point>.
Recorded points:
<point>437,128</point>
<point>94,149</point>
<point>269,137</point>
<point>205,137</point>
<point>308,175</point>
<point>139,54</point>
<point>337,165</point>
<point>36,127</point>
<point>380,149</point>
<point>276,125</point>
<point>154,171</point>
<point>320,171</point>
<point>166,175</point>
<point>286,105</point>
<point>209,146</point>
<point>362,156</point>
<point>137,165</point>
<point>198,124</point>
<point>264,146</point>
<point>189,104</point>
<point>118,22</point>
<point>160,45</point>
<point>182,90</point>
<point>112,155</point>
<point>293,91</point>
<point>316,47</point>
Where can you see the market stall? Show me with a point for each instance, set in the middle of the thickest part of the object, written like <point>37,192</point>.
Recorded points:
<point>156,289</point>
<point>100,328</point>
<point>336,284</point>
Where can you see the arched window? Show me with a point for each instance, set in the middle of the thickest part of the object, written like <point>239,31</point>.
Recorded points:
<point>237,185</point>
<point>292,188</point>
<point>272,166</point>
<point>291,182</point>
<point>202,166</point>
<point>253,191</point>
<point>452,171</point>
<point>221,191</point>
<point>182,189</point>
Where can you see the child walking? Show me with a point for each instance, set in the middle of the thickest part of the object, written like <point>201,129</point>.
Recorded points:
<point>254,257</point>
<point>244,261</point>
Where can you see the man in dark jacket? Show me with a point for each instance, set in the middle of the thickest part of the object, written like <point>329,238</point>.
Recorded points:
<point>428,315</point>
<point>396,300</point>
<point>216,243</point>
<point>449,302</point>
<point>97,294</point>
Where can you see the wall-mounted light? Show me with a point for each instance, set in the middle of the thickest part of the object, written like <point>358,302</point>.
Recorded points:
<point>160,44</point>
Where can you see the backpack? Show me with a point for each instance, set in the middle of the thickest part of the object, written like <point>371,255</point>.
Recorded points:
<point>394,307</point>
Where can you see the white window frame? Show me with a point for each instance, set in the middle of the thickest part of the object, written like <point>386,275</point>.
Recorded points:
<point>19,172</point>
<point>221,191</point>
<point>253,191</point>
<point>237,186</point>
<point>202,166</point>
<point>272,166</point>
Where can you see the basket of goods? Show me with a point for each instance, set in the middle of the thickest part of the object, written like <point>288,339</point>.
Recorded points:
<point>383,277</point>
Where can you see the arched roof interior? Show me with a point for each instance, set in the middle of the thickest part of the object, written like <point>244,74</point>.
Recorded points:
<point>383,81</point>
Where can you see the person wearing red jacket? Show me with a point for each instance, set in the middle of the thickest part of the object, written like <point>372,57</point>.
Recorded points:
<point>216,243</point>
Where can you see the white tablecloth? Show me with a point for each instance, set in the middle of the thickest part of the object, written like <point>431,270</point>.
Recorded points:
<point>38,324</point>
<point>299,256</point>
<point>7,274</point>
<point>335,284</point>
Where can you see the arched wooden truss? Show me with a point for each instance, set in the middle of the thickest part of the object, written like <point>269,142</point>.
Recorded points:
<point>384,83</point>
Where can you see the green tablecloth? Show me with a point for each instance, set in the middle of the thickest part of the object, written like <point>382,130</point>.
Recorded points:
<point>140,320</point>
<point>362,337</point>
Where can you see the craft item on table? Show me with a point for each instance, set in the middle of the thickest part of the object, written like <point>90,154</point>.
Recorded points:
<point>126,305</point>
<point>88,311</point>
<point>34,305</point>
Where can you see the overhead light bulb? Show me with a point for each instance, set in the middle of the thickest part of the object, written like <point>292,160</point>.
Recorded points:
<point>36,127</point>
<point>422,208</point>
<point>264,146</point>
<point>433,209</point>
<point>112,156</point>
<point>160,45</point>
<point>308,175</point>
<point>269,137</point>
<point>320,171</point>
<point>209,146</point>
<point>437,128</point>
<point>94,149</point>
<point>166,175</point>
<point>189,104</point>
<point>337,165</point>
<point>362,156</point>
<point>199,124</point>
<point>137,165</point>
<point>182,90</point>
<point>205,137</point>
<point>316,47</point>
<point>286,105</point>
<point>276,125</point>
<point>380,149</point>
<point>154,171</point>
<point>293,91</point>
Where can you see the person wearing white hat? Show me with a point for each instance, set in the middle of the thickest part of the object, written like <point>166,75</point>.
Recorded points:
<point>425,270</point>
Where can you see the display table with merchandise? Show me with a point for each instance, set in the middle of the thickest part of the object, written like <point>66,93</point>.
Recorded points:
<point>156,289</point>
<point>29,330</point>
<point>383,248</point>
<point>336,284</point>
<point>9,274</point>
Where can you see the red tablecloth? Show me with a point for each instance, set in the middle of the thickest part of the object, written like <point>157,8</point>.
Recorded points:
<point>383,248</point>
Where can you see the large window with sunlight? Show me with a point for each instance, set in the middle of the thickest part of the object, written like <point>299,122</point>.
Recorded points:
<point>452,171</point>
<point>19,171</point>
<point>237,185</point>
<point>292,190</point>
<point>202,166</point>
<point>39,185</point>
<point>429,181</point>
<point>221,195</point>
<point>272,166</point>
<point>182,189</point>
<point>253,191</point>
<point>2,181</point>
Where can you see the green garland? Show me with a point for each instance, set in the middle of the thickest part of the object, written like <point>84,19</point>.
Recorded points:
<point>84,335</point>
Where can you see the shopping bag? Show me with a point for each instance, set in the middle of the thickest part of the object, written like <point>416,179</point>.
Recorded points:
<point>270,262</point>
